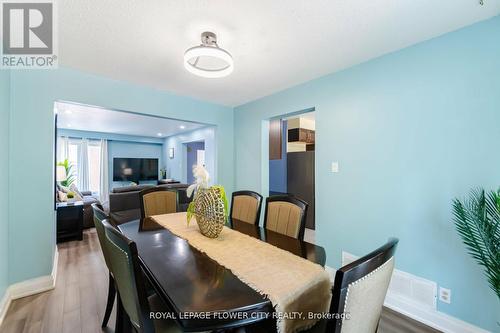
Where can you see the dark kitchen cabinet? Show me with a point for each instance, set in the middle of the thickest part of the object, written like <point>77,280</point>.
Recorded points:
<point>300,181</point>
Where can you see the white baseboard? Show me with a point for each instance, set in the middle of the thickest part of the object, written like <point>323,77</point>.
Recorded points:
<point>425,315</point>
<point>29,287</point>
<point>430,317</point>
<point>4,305</point>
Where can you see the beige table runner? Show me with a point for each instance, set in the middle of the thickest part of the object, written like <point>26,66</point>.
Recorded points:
<point>292,284</point>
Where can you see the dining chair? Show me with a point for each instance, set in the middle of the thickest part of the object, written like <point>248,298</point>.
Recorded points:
<point>246,206</point>
<point>134,306</point>
<point>359,291</point>
<point>286,214</point>
<point>99,216</point>
<point>358,295</point>
<point>156,201</point>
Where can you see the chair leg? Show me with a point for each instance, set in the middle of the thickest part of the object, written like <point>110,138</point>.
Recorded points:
<point>123,324</point>
<point>111,301</point>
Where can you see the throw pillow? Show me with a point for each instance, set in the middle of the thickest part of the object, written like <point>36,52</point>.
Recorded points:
<point>63,197</point>
<point>77,196</point>
<point>64,189</point>
<point>75,189</point>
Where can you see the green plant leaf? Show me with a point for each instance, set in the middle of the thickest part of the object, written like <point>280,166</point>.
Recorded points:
<point>190,212</point>
<point>70,176</point>
<point>477,220</point>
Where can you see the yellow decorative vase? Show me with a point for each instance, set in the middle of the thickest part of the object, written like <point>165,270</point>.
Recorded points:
<point>209,211</point>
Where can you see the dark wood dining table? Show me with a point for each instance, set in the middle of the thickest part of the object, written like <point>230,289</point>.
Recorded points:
<point>190,283</point>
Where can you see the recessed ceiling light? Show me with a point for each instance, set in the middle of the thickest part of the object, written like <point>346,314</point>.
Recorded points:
<point>182,127</point>
<point>159,134</point>
<point>68,112</point>
<point>208,60</point>
<point>69,125</point>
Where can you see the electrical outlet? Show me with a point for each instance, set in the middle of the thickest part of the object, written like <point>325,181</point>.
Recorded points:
<point>445,295</point>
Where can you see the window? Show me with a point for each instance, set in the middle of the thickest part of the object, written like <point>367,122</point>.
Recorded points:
<point>73,152</point>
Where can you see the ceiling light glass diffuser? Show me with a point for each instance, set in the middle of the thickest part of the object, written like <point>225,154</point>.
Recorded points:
<point>208,60</point>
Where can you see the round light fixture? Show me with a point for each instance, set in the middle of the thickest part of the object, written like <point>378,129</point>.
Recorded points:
<point>208,60</point>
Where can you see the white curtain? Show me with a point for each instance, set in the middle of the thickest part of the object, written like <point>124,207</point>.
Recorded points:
<point>62,148</point>
<point>83,167</point>
<point>104,185</point>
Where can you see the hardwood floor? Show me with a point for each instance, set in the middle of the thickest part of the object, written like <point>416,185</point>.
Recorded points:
<point>77,303</point>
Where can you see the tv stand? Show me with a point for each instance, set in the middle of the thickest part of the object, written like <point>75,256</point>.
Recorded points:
<point>168,181</point>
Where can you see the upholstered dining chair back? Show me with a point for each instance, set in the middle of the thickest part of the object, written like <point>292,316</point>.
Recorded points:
<point>286,215</point>
<point>158,200</point>
<point>129,282</point>
<point>246,206</point>
<point>360,289</point>
<point>99,216</point>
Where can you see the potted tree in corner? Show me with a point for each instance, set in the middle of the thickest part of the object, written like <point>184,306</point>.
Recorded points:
<point>477,220</point>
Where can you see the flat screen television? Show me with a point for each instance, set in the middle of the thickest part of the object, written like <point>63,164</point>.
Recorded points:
<point>135,169</point>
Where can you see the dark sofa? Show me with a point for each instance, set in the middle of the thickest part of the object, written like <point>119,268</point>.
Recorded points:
<point>124,202</point>
<point>88,213</point>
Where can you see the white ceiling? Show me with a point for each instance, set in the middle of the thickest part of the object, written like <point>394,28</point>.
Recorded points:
<point>95,119</point>
<point>275,44</point>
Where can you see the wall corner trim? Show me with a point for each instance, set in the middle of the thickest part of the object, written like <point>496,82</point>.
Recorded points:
<point>29,287</point>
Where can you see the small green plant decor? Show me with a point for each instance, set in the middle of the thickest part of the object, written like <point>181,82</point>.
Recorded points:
<point>70,177</point>
<point>477,220</point>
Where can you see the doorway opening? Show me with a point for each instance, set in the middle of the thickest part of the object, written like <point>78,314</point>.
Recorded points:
<point>106,157</point>
<point>292,159</point>
<point>195,155</point>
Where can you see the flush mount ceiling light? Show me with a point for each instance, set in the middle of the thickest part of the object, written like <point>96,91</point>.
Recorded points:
<point>208,60</point>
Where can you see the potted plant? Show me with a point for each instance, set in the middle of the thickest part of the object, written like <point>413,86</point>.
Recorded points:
<point>477,220</point>
<point>70,177</point>
<point>163,173</point>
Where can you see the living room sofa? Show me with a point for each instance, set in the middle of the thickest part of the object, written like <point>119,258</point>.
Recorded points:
<point>125,205</point>
<point>88,213</point>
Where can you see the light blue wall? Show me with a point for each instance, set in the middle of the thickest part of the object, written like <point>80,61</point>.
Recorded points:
<point>120,145</point>
<point>117,149</point>
<point>4,171</point>
<point>411,131</point>
<point>33,93</point>
<point>176,167</point>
